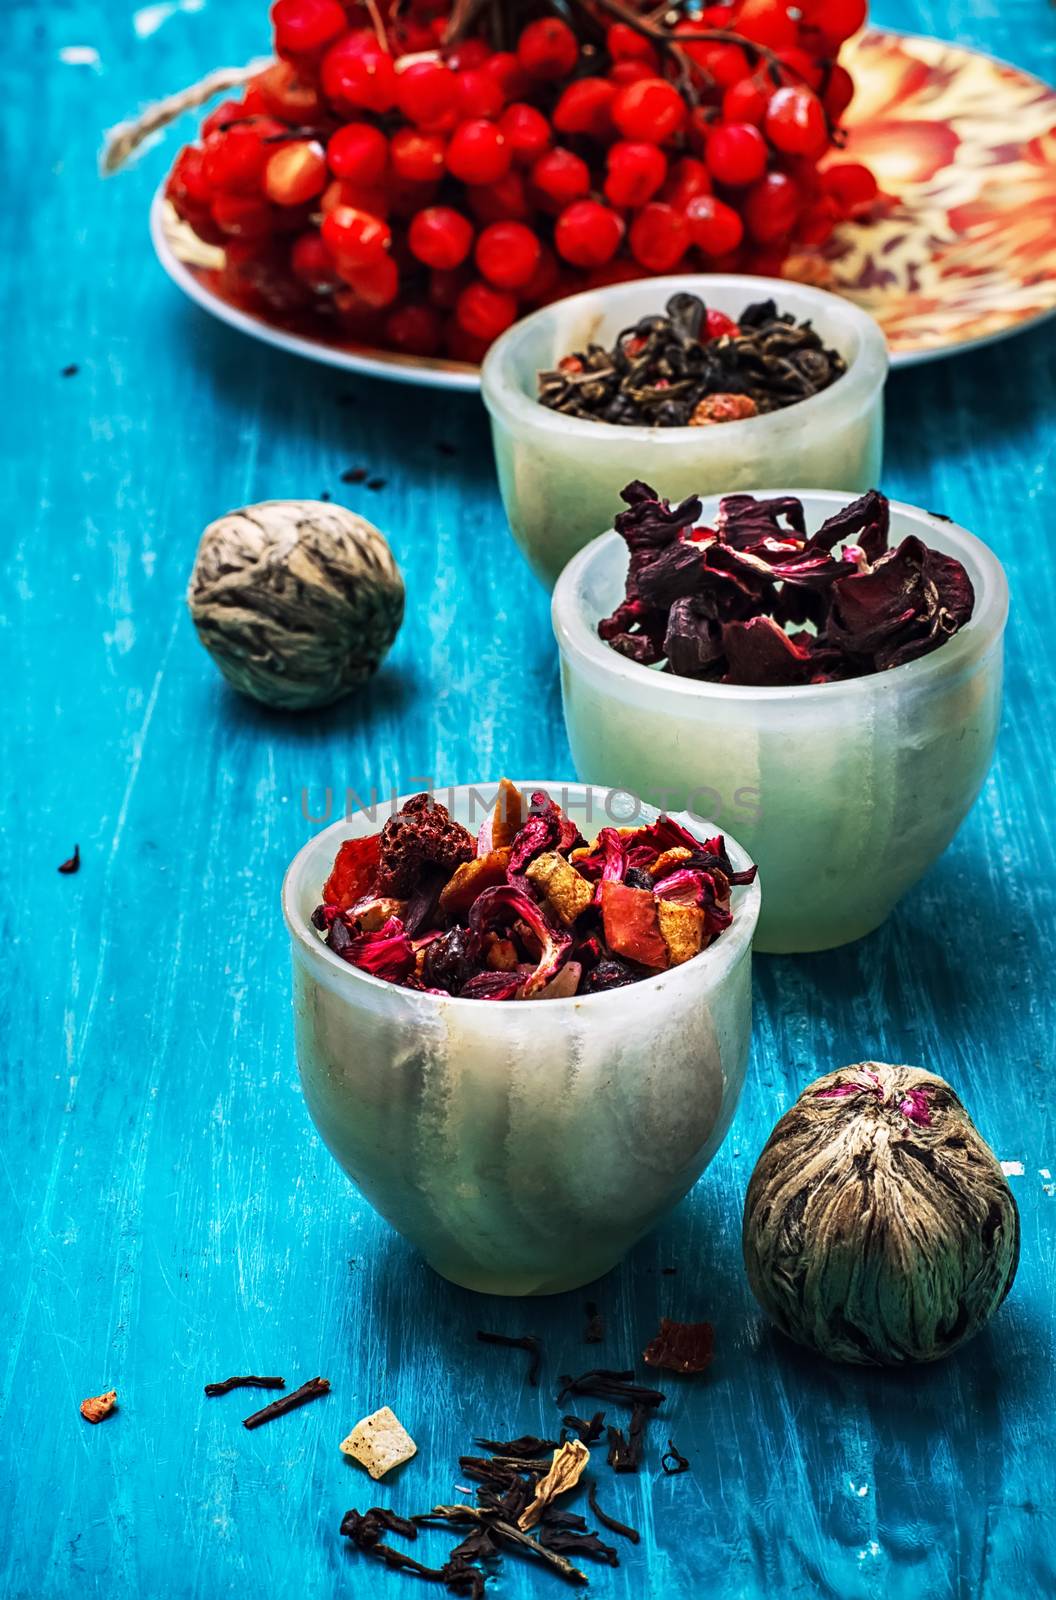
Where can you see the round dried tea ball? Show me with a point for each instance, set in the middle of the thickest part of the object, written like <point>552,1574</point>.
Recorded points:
<point>297,601</point>
<point>878,1225</point>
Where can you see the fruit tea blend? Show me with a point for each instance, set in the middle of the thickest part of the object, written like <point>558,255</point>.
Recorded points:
<point>527,910</point>
<point>691,366</point>
<point>757,600</point>
<point>419,174</point>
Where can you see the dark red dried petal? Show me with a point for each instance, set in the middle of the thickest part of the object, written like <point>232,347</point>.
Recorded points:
<point>387,953</point>
<point>686,1347</point>
<point>866,521</point>
<point>743,520</point>
<point>760,653</point>
<point>651,523</point>
<point>693,641</point>
<point>547,828</point>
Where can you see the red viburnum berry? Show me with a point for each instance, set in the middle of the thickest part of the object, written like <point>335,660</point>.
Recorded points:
<point>358,151</point>
<point>357,74</point>
<point>305,27</point>
<point>771,207</point>
<point>427,94</point>
<point>650,109</point>
<point>559,177</point>
<point>295,172</point>
<point>417,156</point>
<point>659,237</point>
<point>588,234</point>
<point>586,107</point>
<point>440,237</point>
<point>478,152</point>
<point>548,48</point>
<point>507,254</point>
<point>355,238</point>
<point>736,153</point>
<point>485,312</point>
<point>795,122</point>
<point>526,131</point>
<point>714,227</point>
<point>635,172</point>
<point>414,328</point>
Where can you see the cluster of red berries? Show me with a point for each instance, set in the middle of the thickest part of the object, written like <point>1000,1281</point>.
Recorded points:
<point>422,196</point>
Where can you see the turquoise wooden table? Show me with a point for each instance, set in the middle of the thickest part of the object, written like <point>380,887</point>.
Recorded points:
<point>169,1214</point>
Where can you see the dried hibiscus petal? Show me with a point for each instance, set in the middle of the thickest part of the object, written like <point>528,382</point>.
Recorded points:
<point>759,652</point>
<point>546,828</point>
<point>508,904</point>
<point>386,954</point>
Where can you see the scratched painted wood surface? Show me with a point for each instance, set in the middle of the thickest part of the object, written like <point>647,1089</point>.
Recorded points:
<point>169,1214</point>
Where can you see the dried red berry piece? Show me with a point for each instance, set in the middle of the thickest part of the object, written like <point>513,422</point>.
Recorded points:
<point>422,833</point>
<point>72,863</point>
<point>686,1347</point>
<point>354,872</point>
<point>547,828</point>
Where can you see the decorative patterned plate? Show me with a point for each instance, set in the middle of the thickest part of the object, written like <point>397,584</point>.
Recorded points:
<point>968,144</point>
<point>966,255</point>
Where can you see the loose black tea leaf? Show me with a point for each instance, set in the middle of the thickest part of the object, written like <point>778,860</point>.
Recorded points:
<point>694,367</point>
<point>625,1452</point>
<point>672,1461</point>
<point>355,475</point>
<point>527,1446</point>
<point>312,1390</point>
<point>607,1384</point>
<point>524,1341</point>
<point>365,1529</point>
<point>589,1432</point>
<point>249,1382</point>
<point>73,863</point>
<point>608,1522</point>
<point>376,483</point>
<point>71,371</point>
<point>594,1332</point>
<point>502,1530</point>
<point>570,1543</point>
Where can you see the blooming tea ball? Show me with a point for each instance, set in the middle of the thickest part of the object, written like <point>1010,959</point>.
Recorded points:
<point>878,1225</point>
<point>297,601</point>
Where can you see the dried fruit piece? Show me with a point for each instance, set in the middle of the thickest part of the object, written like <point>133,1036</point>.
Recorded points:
<point>471,878</point>
<point>685,1347</point>
<point>632,924</point>
<point>354,871</point>
<point>98,1406</point>
<point>716,408</point>
<point>566,890</point>
<point>379,1443</point>
<point>421,833</point>
<point>568,1465</point>
<point>682,929</point>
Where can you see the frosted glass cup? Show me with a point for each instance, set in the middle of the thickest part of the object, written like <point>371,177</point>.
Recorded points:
<point>522,1146</point>
<point>561,476</point>
<point>843,793</point>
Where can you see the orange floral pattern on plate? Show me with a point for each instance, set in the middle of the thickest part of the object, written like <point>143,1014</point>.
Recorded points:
<point>968,145</point>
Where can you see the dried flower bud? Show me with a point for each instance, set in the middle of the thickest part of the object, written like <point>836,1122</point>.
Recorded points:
<point>878,1225</point>
<point>297,601</point>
